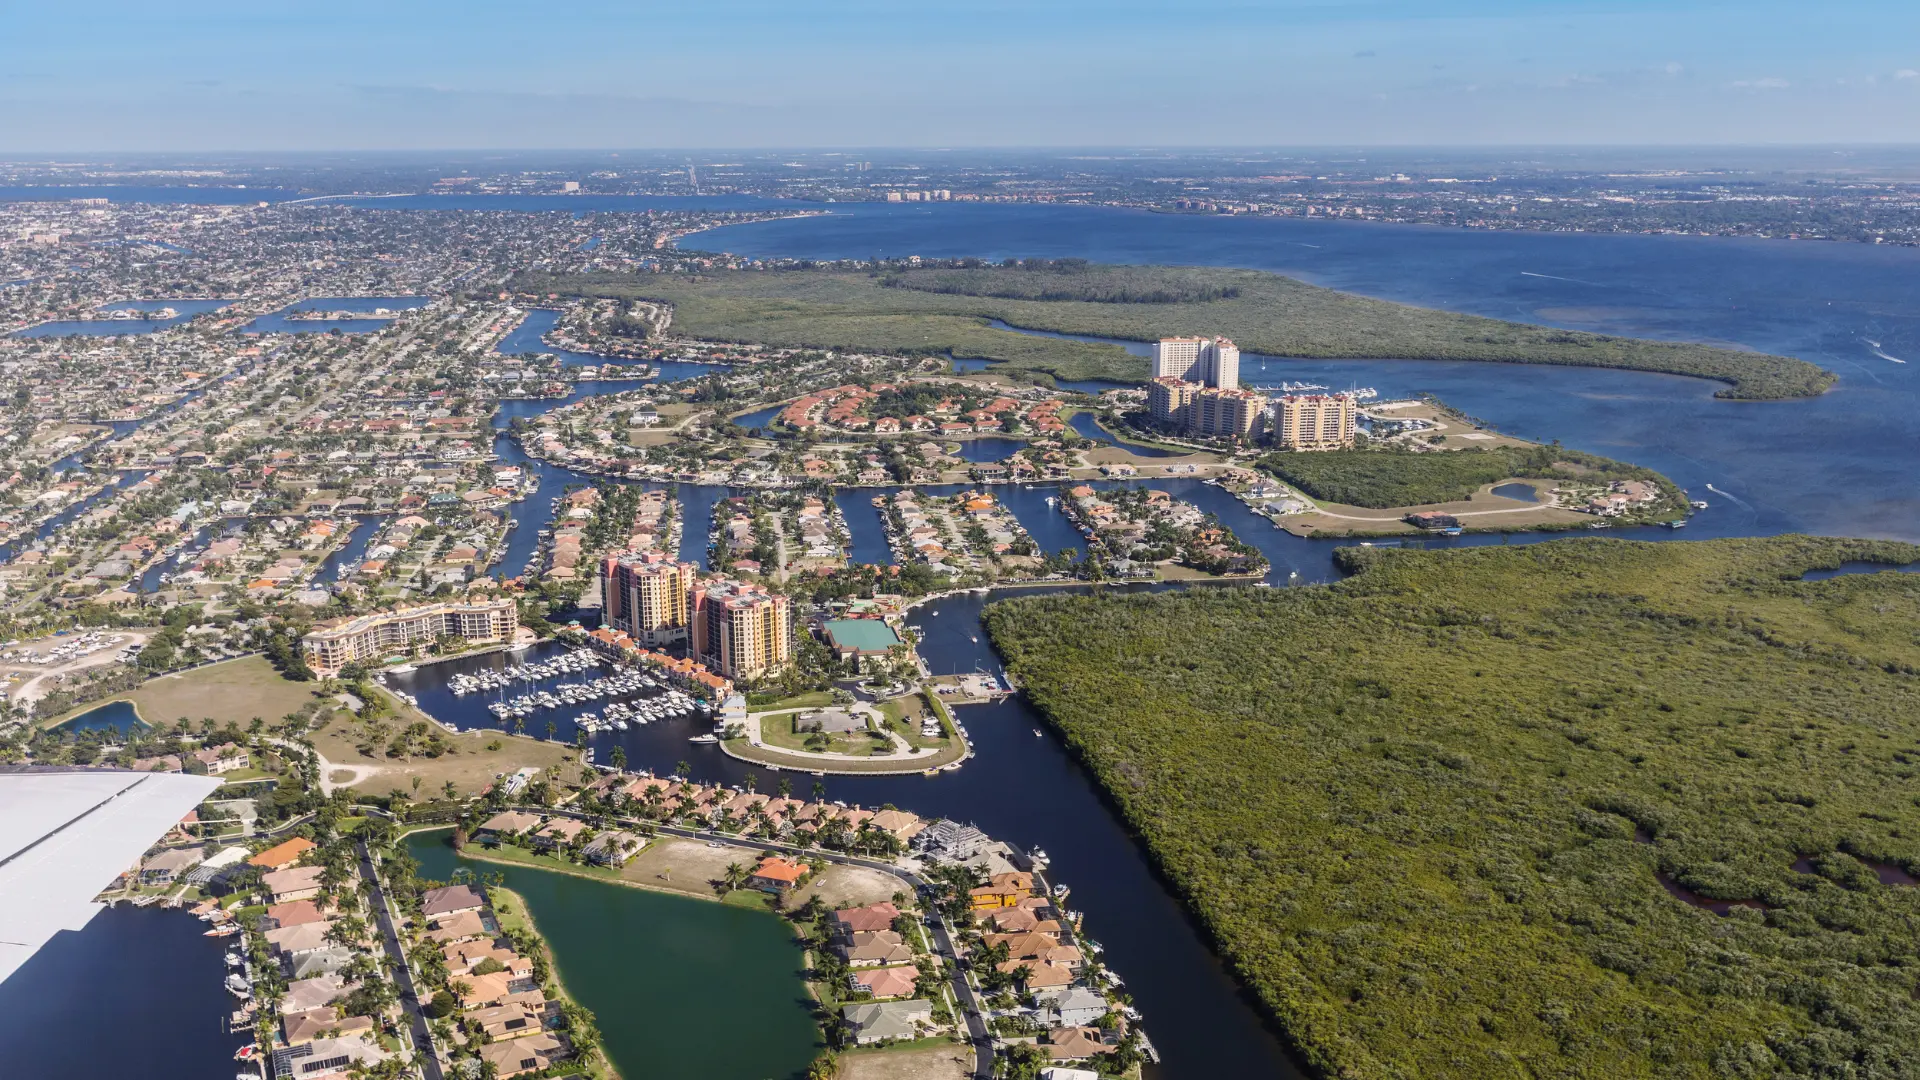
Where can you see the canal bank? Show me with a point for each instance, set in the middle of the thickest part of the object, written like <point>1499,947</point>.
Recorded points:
<point>682,989</point>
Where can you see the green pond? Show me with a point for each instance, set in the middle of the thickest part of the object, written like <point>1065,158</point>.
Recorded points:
<point>683,989</point>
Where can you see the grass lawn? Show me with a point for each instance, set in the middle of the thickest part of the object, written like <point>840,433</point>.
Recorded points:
<point>904,716</point>
<point>471,766</point>
<point>816,699</point>
<point>510,854</point>
<point>236,691</point>
<point>777,731</point>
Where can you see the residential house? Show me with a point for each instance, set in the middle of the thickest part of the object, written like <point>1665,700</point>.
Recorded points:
<point>1074,1043</point>
<point>876,947</point>
<point>297,913</point>
<point>516,1056</point>
<point>309,994</point>
<point>164,868</point>
<point>1002,890</point>
<point>320,962</point>
<point>326,1057</point>
<point>886,982</point>
<point>862,920</point>
<point>296,941</point>
<point>1073,1006</point>
<point>559,833</point>
<point>225,758</point>
<point>283,854</point>
<point>506,823</point>
<point>458,927</point>
<point>612,848</point>
<point>880,1021</point>
<point>506,1021</point>
<point>305,1027</point>
<point>776,875</point>
<point>297,883</point>
<point>451,900</point>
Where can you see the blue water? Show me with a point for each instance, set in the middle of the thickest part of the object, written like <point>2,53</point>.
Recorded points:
<point>278,323</point>
<point>1089,427</point>
<point>696,508</point>
<point>113,328</point>
<point>1846,569</point>
<point>525,338</point>
<point>20,543</point>
<point>1522,492</point>
<point>136,992</point>
<point>758,418</point>
<point>118,716</point>
<point>332,569</point>
<point>980,449</point>
<point>1838,464</point>
<point>866,528</point>
<point>577,205</point>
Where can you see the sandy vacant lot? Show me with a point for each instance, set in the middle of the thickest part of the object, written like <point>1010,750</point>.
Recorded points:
<point>852,886</point>
<point>236,691</point>
<point>688,866</point>
<point>952,1062</point>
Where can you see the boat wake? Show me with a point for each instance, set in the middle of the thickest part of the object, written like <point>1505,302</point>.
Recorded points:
<point>1884,356</point>
<point>1557,277</point>
<point>1735,499</point>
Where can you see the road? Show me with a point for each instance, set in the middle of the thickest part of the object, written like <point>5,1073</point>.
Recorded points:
<point>971,1007</point>
<point>402,973</point>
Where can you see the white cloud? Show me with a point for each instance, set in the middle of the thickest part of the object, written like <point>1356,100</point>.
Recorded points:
<point>1906,73</point>
<point>1674,67</point>
<point>1768,83</point>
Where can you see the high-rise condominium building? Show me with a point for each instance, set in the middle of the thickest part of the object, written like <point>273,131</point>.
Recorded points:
<point>1204,410</point>
<point>336,643</point>
<point>1210,361</point>
<point>1313,421</point>
<point>741,631</point>
<point>645,594</point>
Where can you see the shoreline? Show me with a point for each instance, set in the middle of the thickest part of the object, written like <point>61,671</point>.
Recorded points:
<point>553,968</point>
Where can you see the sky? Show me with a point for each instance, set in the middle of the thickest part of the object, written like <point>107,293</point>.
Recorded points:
<point>429,74</point>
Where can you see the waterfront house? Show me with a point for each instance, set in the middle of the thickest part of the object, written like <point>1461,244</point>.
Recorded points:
<point>776,875</point>
<point>516,1056</point>
<point>1073,1006</point>
<point>612,848</point>
<point>885,982</point>
<point>490,989</point>
<point>297,913</point>
<point>1024,919</point>
<point>881,1021</point>
<point>326,1057</point>
<point>504,824</point>
<point>462,957</point>
<point>451,900</point>
<point>1074,1043</point>
<point>876,947</point>
<point>559,833</point>
<point>283,854</point>
<point>850,921</point>
<point>164,868</point>
<point>459,927</point>
<point>951,841</point>
<point>320,962</point>
<point>305,1027</point>
<point>296,883</point>
<point>1061,1072</point>
<point>1003,890</point>
<point>308,994</point>
<point>506,1021</point>
<point>295,941</point>
<point>900,824</point>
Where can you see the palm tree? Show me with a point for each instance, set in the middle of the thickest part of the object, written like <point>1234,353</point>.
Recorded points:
<point>819,790</point>
<point>447,789</point>
<point>785,787</point>
<point>619,758</point>
<point>753,781</point>
<point>735,877</point>
<point>682,769</point>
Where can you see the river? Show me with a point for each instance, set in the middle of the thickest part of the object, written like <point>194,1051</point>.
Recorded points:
<point>682,989</point>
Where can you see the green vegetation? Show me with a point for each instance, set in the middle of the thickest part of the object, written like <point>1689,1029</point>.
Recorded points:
<point>947,310</point>
<point>1382,478</point>
<point>1429,813</point>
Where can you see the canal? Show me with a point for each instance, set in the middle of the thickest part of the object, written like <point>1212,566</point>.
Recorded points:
<point>682,989</point>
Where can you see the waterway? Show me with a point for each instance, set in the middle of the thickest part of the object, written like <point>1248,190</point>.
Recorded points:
<point>185,309</point>
<point>278,323</point>
<point>683,989</point>
<point>136,992</point>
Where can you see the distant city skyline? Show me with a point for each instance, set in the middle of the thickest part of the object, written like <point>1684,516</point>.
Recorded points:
<point>117,76</point>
